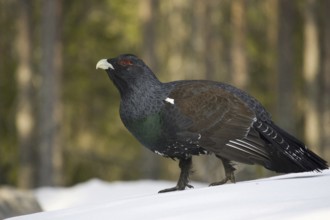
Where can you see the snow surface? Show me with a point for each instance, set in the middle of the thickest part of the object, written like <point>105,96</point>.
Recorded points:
<point>291,196</point>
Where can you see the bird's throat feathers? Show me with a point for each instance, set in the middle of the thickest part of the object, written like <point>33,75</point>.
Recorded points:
<point>120,84</point>
<point>140,100</point>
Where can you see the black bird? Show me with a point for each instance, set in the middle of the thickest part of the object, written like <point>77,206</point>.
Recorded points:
<point>181,119</point>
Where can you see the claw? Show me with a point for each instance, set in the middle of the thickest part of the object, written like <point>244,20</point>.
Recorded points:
<point>176,188</point>
<point>220,182</point>
<point>169,190</point>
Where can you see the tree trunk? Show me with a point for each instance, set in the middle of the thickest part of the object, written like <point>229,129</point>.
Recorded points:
<point>311,76</point>
<point>238,52</point>
<point>176,39</point>
<point>325,102</point>
<point>50,105</point>
<point>271,9</point>
<point>25,118</point>
<point>148,14</point>
<point>285,81</point>
<point>150,168</point>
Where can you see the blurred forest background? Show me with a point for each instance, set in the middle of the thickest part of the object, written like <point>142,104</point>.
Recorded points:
<point>59,116</point>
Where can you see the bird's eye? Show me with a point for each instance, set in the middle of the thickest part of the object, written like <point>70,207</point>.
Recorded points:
<point>125,62</point>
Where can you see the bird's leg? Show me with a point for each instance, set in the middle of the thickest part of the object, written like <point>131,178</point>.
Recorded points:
<point>229,171</point>
<point>183,182</point>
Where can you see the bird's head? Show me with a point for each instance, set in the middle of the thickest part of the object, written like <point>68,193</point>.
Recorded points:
<point>127,72</point>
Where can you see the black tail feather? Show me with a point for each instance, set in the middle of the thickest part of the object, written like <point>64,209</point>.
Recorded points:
<point>287,153</point>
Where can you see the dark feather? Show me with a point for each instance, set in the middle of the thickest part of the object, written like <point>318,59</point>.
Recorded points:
<point>287,152</point>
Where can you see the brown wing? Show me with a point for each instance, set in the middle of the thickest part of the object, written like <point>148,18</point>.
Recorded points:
<point>221,120</point>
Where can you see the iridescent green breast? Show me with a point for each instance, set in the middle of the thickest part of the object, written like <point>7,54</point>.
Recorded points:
<point>147,130</point>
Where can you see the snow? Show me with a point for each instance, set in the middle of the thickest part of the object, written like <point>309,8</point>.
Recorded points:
<point>291,196</point>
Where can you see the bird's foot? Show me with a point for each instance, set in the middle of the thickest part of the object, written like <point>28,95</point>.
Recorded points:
<point>229,177</point>
<point>183,182</point>
<point>176,188</point>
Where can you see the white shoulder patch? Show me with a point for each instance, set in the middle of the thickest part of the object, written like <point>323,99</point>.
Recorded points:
<point>169,100</point>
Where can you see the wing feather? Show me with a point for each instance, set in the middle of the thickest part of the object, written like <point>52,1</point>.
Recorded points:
<point>223,120</point>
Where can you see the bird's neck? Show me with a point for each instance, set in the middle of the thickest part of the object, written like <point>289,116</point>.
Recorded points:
<point>142,99</point>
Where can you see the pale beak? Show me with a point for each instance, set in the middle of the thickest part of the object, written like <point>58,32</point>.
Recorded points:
<point>104,64</point>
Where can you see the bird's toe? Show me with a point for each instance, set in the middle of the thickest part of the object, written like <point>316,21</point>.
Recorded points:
<point>176,188</point>
<point>172,189</point>
<point>220,182</point>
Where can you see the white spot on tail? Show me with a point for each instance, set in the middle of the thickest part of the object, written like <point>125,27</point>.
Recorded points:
<point>169,100</point>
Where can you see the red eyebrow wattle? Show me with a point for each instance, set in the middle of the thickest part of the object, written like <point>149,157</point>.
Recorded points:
<point>125,62</point>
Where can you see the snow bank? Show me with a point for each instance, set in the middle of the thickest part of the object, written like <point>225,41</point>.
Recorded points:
<point>292,196</point>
